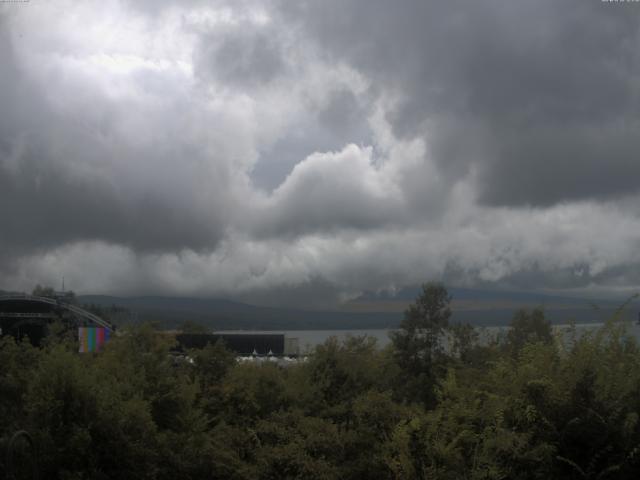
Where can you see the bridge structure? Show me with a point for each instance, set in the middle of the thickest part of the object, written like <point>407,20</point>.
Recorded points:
<point>30,315</point>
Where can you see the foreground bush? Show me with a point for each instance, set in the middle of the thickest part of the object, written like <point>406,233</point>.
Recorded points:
<point>529,405</point>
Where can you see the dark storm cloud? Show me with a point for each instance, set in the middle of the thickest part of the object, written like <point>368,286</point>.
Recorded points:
<point>536,277</point>
<point>44,207</point>
<point>241,58</point>
<point>58,183</point>
<point>540,99</point>
<point>343,114</point>
<point>298,152</point>
<point>257,58</point>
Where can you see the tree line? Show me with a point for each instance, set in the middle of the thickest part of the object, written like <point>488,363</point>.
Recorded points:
<point>437,403</point>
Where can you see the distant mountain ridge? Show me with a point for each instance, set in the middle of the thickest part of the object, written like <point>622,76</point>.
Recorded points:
<point>369,311</point>
<point>223,314</point>
<point>410,294</point>
<point>494,307</point>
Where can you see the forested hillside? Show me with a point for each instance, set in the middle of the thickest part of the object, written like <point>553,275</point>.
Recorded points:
<point>528,405</point>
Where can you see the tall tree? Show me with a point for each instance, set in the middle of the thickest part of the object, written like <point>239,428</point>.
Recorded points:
<point>418,342</point>
<point>528,326</point>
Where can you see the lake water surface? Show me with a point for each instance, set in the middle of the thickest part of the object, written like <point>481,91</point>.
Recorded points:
<point>308,339</point>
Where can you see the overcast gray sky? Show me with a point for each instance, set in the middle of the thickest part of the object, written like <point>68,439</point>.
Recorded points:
<point>305,151</point>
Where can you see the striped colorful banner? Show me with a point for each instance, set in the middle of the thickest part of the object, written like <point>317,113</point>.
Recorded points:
<point>92,339</point>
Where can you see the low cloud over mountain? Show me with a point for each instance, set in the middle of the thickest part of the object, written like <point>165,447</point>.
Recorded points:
<point>312,150</point>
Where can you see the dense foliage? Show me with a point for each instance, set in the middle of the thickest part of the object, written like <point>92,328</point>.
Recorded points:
<point>527,405</point>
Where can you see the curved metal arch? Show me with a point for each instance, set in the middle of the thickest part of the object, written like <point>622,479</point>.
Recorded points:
<point>67,306</point>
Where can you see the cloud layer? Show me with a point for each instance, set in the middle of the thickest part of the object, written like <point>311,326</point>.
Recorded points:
<point>307,151</point>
